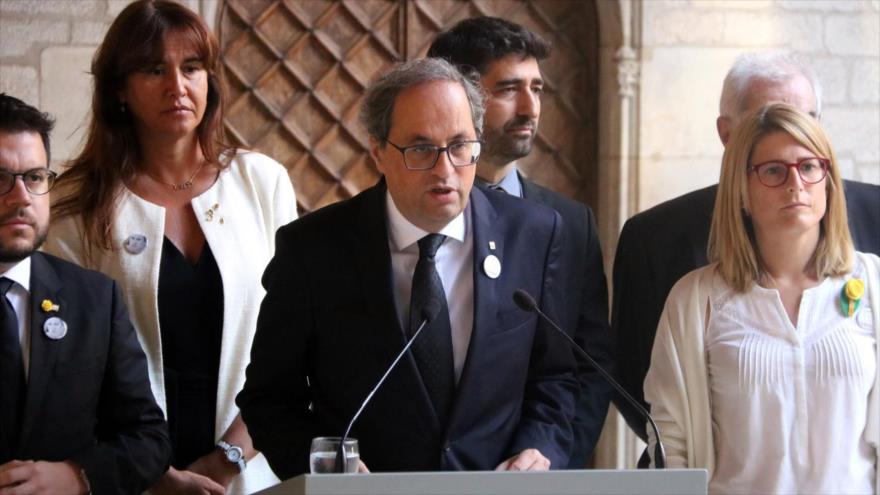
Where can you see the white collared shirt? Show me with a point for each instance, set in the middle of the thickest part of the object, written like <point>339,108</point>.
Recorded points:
<point>510,183</point>
<point>454,261</point>
<point>19,296</point>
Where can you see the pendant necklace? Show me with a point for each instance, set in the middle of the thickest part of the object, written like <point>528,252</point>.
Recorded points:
<point>183,186</point>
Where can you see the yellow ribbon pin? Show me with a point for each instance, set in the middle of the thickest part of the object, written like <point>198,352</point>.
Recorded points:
<point>48,306</point>
<point>851,296</point>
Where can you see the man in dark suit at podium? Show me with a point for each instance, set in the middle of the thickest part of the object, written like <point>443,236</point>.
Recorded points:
<point>506,56</point>
<point>660,245</point>
<point>486,385</point>
<point>77,414</point>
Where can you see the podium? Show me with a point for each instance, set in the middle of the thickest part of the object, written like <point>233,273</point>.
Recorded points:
<point>580,482</point>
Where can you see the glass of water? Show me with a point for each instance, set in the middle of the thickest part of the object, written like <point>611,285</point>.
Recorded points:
<point>322,456</point>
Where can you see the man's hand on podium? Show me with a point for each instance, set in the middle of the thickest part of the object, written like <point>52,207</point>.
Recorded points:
<point>362,468</point>
<point>527,460</point>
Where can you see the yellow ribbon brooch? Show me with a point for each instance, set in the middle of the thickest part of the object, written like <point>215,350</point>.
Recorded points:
<point>851,296</point>
<point>48,306</point>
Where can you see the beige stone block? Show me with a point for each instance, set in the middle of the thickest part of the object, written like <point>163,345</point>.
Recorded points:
<point>853,35</point>
<point>208,9</point>
<point>826,5</point>
<point>88,33</point>
<point>854,131</point>
<point>869,172</point>
<point>866,81</point>
<point>847,167</point>
<point>669,4</point>
<point>680,90</point>
<point>60,7</point>
<point>663,179</point>
<point>676,27</point>
<point>834,77</point>
<point>733,4</point>
<point>17,36</point>
<point>766,29</point>
<point>20,82</point>
<point>66,92</point>
<point>114,7</point>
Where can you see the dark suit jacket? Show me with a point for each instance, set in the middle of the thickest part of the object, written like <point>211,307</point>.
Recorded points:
<point>328,328</point>
<point>88,395</point>
<point>585,291</point>
<point>659,246</point>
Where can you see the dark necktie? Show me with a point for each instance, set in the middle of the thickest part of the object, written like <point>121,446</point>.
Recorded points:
<point>433,349</point>
<point>12,382</point>
<point>497,187</point>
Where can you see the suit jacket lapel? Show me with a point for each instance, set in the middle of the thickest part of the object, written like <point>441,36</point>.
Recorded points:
<point>531,191</point>
<point>484,230</point>
<point>373,261</point>
<point>45,285</point>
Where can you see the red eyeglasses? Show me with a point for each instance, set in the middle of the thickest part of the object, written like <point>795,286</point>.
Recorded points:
<point>775,173</point>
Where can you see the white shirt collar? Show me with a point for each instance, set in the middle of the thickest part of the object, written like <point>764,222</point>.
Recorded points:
<point>404,234</point>
<point>20,273</point>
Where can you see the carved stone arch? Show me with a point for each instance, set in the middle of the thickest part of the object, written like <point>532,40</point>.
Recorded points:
<point>620,54</point>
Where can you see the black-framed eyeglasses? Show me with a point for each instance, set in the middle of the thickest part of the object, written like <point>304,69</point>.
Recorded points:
<point>775,173</point>
<point>424,156</point>
<point>37,181</point>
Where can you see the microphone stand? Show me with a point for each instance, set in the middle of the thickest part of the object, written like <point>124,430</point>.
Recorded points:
<point>527,303</point>
<point>432,307</point>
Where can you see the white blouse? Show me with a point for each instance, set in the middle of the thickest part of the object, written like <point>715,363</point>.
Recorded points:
<point>790,403</point>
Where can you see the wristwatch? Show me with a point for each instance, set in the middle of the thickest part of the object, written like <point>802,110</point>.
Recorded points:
<point>233,454</point>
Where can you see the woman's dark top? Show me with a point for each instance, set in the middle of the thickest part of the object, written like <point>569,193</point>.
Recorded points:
<point>191,326</point>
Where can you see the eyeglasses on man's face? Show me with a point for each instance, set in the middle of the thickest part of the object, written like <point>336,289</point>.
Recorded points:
<point>37,181</point>
<point>775,173</point>
<point>424,156</point>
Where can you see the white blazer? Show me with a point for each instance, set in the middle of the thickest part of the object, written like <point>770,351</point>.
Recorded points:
<point>239,215</point>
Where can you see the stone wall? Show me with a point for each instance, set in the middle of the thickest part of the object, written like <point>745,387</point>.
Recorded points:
<point>46,48</point>
<point>687,48</point>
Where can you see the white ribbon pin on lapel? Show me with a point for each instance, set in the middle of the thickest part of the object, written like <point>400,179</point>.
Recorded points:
<point>55,328</point>
<point>491,264</point>
<point>135,244</point>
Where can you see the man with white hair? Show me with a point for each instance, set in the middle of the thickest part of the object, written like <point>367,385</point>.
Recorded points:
<point>660,245</point>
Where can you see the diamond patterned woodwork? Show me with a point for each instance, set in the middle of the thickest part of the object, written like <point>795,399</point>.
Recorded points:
<point>297,69</point>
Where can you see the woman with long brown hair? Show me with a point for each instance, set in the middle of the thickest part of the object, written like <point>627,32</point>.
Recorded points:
<point>186,225</point>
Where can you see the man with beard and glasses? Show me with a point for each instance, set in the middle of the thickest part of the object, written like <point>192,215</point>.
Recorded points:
<point>506,57</point>
<point>76,411</point>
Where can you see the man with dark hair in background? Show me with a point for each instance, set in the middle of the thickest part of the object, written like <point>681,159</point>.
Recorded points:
<point>506,56</point>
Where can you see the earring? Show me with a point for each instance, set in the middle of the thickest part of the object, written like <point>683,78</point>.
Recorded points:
<point>122,107</point>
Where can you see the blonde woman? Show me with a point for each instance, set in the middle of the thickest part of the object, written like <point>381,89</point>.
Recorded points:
<point>764,370</point>
<point>186,226</point>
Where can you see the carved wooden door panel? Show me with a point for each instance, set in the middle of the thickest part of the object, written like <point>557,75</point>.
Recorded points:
<point>296,70</point>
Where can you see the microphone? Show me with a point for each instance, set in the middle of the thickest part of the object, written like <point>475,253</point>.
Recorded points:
<point>527,303</point>
<point>429,312</point>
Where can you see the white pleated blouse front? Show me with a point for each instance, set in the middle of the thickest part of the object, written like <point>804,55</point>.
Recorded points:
<point>790,404</point>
